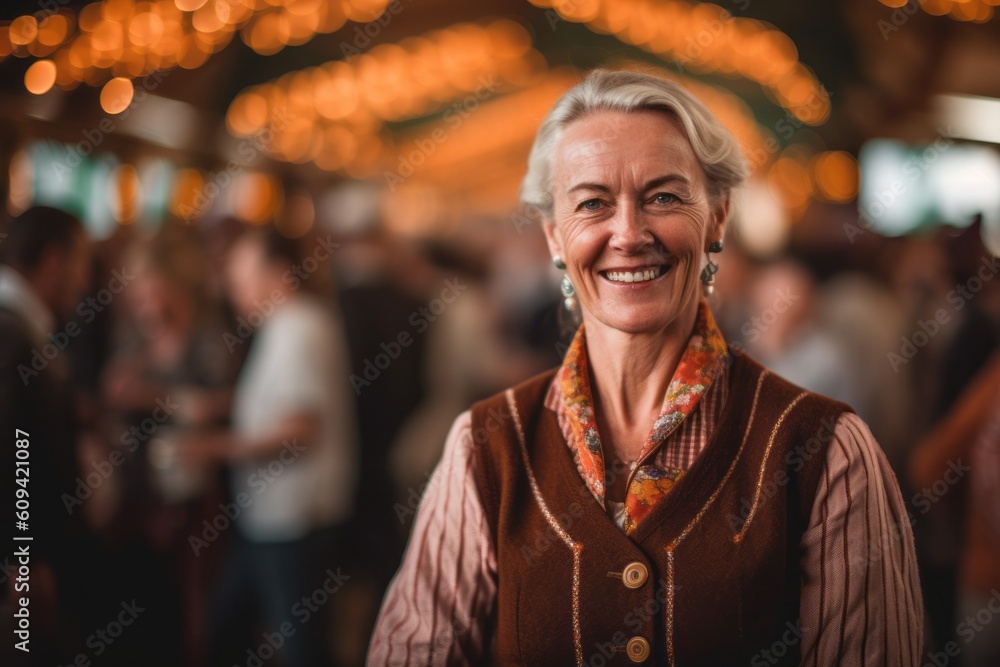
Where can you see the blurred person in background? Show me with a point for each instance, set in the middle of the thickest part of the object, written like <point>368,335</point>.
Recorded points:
<point>785,332</point>
<point>732,292</point>
<point>634,473</point>
<point>926,274</point>
<point>526,290</point>
<point>468,358</point>
<point>921,275</point>
<point>217,238</point>
<point>862,316</point>
<point>292,457</point>
<point>382,282</point>
<point>45,272</point>
<point>972,305</point>
<point>173,353</point>
<point>962,456</point>
<point>170,374</point>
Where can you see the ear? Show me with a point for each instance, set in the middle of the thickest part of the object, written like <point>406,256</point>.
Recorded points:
<point>718,220</point>
<point>552,238</point>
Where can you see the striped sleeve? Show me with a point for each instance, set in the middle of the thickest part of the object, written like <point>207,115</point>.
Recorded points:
<point>439,606</point>
<point>861,602</point>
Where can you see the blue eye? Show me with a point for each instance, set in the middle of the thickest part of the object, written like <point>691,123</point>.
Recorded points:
<point>591,204</point>
<point>665,198</point>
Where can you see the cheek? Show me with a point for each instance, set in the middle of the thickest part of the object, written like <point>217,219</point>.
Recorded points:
<point>583,243</point>
<point>684,234</point>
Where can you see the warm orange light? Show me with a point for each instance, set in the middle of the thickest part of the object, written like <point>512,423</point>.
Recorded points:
<point>296,141</point>
<point>145,29</point>
<point>137,37</point>
<point>40,77</point>
<point>67,76</point>
<point>125,196</point>
<point>255,110</point>
<point>582,11</point>
<point>391,82</point>
<point>304,7</point>
<point>53,30</point>
<point>262,35</point>
<point>978,11</point>
<point>5,45</point>
<point>332,17</point>
<point>836,175</point>
<point>340,145</point>
<point>117,95</point>
<point>22,188</point>
<point>964,11</point>
<point>207,20</point>
<point>790,182</point>
<point>23,30</point>
<point>256,198</point>
<point>192,55</point>
<point>118,11</point>
<point>707,39</point>
<point>90,16</point>
<point>189,5</point>
<point>336,97</point>
<point>936,7</point>
<point>187,188</point>
<point>108,36</point>
<point>510,40</point>
<point>364,11</point>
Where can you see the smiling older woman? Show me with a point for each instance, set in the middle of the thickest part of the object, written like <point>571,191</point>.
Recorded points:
<point>658,498</point>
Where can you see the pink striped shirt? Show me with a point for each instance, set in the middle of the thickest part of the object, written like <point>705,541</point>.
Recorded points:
<point>860,600</point>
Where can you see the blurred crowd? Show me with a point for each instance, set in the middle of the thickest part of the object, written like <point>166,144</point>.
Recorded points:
<point>231,430</point>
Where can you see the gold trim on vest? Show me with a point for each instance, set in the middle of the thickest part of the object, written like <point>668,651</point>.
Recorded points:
<point>680,538</point>
<point>574,546</point>
<point>760,479</point>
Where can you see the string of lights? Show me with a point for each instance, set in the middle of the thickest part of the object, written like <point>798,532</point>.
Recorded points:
<point>977,11</point>
<point>112,42</point>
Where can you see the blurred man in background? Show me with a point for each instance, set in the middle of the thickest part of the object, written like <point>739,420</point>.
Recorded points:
<point>292,458</point>
<point>44,273</point>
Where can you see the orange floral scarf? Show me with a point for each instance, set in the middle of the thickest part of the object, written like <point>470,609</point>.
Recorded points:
<point>704,358</point>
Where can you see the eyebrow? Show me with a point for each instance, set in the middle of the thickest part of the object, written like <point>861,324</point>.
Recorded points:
<point>662,180</point>
<point>655,183</point>
<point>589,186</point>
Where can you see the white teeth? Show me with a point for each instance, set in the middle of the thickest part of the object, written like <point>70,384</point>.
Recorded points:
<point>636,277</point>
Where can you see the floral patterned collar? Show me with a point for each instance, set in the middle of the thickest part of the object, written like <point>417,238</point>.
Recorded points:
<point>704,358</point>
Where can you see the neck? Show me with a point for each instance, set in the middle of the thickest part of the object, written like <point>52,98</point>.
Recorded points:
<point>630,372</point>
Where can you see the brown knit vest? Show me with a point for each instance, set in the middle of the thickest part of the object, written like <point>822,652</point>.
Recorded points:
<point>721,553</point>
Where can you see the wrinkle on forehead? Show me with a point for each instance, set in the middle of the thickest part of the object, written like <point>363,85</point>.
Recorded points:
<point>616,148</point>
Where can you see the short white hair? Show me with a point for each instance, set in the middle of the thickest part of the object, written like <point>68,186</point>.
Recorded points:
<point>717,150</point>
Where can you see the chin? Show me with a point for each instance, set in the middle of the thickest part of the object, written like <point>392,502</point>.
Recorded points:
<point>636,320</point>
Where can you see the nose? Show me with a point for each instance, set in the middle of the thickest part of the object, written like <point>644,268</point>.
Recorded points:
<point>629,231</point>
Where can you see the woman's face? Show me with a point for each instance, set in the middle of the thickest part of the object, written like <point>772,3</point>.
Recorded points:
<point>632,219</point>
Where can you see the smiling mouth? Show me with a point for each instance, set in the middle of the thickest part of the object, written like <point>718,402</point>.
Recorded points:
<point>640,275</point>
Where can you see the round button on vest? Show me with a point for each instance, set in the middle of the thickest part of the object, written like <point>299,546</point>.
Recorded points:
<point>634,575</point>
<point>637,649</point>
